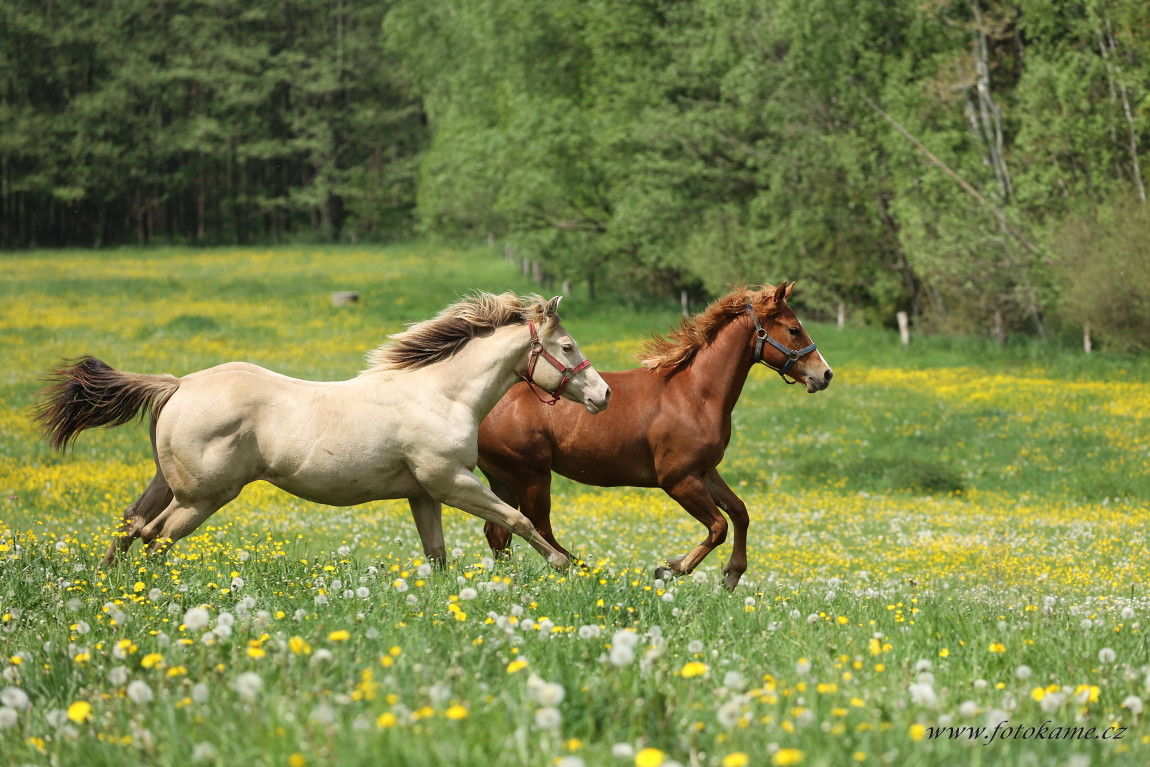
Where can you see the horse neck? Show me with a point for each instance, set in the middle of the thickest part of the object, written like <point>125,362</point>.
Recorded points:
<point>484,369</point>
<point>720,369</point>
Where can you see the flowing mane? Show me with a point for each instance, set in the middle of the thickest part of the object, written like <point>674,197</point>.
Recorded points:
<point>436,339</point>
<point>679,347</point>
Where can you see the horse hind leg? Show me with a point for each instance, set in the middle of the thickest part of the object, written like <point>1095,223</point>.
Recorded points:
<point>737,510</point>
<point>691,493</point>
<point>179,520</point>
<point>428,515</point>
<point>155,498</point>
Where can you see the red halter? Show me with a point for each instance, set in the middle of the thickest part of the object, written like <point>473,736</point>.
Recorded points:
<point>538,351</point>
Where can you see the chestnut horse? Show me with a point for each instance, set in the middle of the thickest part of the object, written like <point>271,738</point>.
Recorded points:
<point>669,427</point>
<point>404,428</point>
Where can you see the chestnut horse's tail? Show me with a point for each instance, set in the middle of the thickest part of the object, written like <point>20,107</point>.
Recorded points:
<point>86,393</point>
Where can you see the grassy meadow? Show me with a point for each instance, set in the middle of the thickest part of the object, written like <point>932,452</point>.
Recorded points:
<point>948,556</point>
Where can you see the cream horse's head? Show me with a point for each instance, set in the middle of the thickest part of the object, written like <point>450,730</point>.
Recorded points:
<point>556,365</point>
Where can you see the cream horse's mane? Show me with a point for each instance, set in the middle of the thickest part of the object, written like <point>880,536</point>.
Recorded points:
<point>436,339</point>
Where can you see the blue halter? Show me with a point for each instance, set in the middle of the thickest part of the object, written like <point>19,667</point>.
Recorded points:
<point>792,355</point>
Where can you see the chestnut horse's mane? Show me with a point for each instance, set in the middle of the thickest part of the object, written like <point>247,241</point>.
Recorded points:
<point>680,347</point>
<point>441,336</point>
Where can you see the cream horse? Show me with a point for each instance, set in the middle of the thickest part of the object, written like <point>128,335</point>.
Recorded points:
<point>404,428</point>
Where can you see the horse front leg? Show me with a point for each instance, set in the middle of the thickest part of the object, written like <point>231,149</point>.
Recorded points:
<point>725,497</point>
<point>463,490</point>
<point>428,515</point>
<point>691,493</point>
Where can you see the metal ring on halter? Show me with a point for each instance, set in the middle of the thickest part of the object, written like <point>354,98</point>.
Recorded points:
<point>792,355</point>
<point>538,351</point>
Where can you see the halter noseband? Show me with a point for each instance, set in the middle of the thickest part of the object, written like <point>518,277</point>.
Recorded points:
<point>538,351</point>
<point>791,354</point>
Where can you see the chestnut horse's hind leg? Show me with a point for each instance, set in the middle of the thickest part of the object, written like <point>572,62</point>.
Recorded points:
<point>692,495</point>
<point>725,497</point>
<point>147,507</point>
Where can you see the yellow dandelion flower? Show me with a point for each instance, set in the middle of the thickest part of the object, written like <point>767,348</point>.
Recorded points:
<point>692,669</point>
<point>299,646</point>
<point>385,720</point>
<point>340,635</point>
<point>1037,694</point>
<point>997,647</point>
<point>917,732</point>
<point>787,756</point>
<point>455,713</point>
<point>650,757</point>
<point>736,759</point>
<point>152,659</point>
<point>296,760</point>
<point>256,652</point>
<point>944,653</point>
<point>516,665</point>
<point>80,711</point>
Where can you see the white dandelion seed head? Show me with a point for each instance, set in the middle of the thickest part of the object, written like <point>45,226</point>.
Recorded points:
<point>14,697</point>
<point>244,555</point>
<point>363,592</point>
<point>139,692</point>
<point>589,631</point>
<point>237,583</point>
<point>968,708</point>
<point>456,553</point>
<point>226,619</point>
<point>1106,655</point>
<point>1127,613</point>
<point>322,714</point>
<point>423,570</point>
<point>248,685</point>
<point>1023,672</point>
<point>468,593</point>
<point>196,618</point>
<point>487,563</point>
<point>8,717</point>
<point>204,752</point>
<point>570,761</point>
<point>201,692</point>
<point>668,596</point>
<point>1133,704</point>
<point>400,585</point>
<point>322,655</point>
<point>621,655</point>
<point>624,638</point>
<point>622,751</point>
<point>729,713</point>
<point>155,595</point>
<point>118,675</point>
<point>548,718</point>
<point>923,664</point>
<point>412,599</point>
<point>694,646</point>
<point>1086,624</point>
<point>343,551</point>
<point>733,680</point>
<point>802,666</point>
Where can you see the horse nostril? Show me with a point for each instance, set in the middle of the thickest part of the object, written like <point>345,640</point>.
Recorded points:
<point>607,395</point>
<point>828,375</point>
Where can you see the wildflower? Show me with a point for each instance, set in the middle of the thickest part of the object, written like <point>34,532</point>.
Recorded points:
<point>80,711</point>
<point>363,592</point>
<point>1023,672</point>
<point>650,757</point>
<point>693,669</point>
<point>456,713</point>
<point>802,666</point>
<point>400,585</point>
<point>917,732</point>
<point>297,760</point>
<point>516,665</point>
<point>621,655</point>
<point>1133,703</point>
<point>14,697</point>
<point>152,659</point>
<point>139,692</point>
<point>997,647</point>
<point>733,680</point>
<point>785,757</point>
<point>589,631</point>
<point>1127,613</point>
<point>196,618</point>
<point>340,635</point>
<point>385,720</point>
<point>923,695</point>
<point>468,593</point>
<point>204,752</point>
<point>1106,655</point>
<point>323,714</point>
<point>570,761</point>
<point>729,713</point>
<point>548,718</point>
<point>694,647</point>
<point>735,759</point>
<point>622,750</point>
<point>248,685</point>
<point>200,692</point>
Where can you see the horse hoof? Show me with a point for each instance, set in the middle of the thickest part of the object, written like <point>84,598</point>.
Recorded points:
<point>664,573</point>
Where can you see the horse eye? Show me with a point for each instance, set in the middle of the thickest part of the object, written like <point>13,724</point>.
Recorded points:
<point>794,332</point>
<point>568,348</point>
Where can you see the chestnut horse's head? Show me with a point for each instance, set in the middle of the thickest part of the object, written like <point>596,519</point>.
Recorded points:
<point>781,341</point>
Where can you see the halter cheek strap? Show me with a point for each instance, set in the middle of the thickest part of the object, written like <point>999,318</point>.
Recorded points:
<point>538,351</point>
<point>792,355</point>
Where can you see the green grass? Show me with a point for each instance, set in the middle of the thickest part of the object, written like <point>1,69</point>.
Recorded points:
<point>950,535</point>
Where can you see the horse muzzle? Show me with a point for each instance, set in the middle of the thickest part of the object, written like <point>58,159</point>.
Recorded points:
<point>816,383</point>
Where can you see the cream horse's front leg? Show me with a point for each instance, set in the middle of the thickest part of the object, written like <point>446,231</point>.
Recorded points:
<point>463,490</point>
<point>428,514</point>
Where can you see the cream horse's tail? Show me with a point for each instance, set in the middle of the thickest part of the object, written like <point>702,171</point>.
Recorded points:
<point>86,393</point>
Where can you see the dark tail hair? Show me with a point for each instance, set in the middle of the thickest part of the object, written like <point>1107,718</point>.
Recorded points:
<point>86,392</point>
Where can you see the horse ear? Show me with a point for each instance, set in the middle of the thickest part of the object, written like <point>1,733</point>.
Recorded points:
<point>781,292</point>
<point>552,308</point>
<point>789,289</point>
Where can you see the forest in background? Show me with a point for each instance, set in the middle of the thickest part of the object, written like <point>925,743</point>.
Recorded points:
<point>978,164</point>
